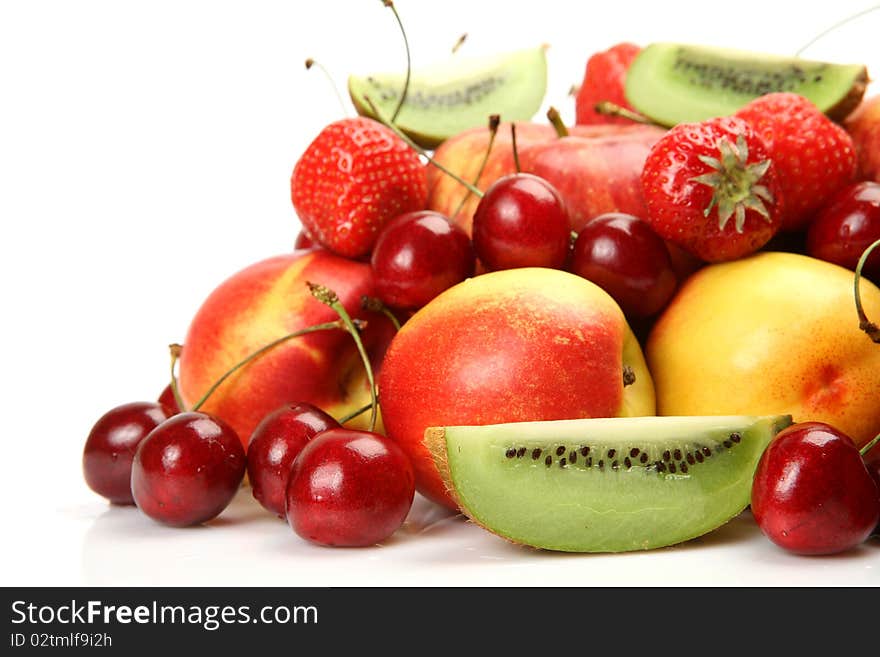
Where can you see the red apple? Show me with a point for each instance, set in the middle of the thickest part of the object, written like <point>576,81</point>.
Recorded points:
<point>863,126</point>
<point>513,345</point>
<point>263,303</point>
<point>596,174</point>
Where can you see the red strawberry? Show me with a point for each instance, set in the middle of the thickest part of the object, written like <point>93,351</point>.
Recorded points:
<point>813,156</point>
<point>352,179</point>
<point>710,188</point>
<point>604,79</point>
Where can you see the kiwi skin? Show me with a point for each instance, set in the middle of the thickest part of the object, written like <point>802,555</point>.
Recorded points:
<point>680,83</point>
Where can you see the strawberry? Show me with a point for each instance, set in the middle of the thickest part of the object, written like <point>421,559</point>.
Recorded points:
<point>604,79</point>
<point>352,179</point>
<point>710,188</point>
<point>813,156</point>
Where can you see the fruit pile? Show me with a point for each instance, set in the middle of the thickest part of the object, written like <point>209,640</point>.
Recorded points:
<point>610,336</point>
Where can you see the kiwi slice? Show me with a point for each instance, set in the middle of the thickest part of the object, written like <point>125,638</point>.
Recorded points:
<point>603,485</point>
<point>460,93</point>
<point>674,83</point>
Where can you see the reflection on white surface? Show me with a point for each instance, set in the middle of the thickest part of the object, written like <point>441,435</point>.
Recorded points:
<point>435,547</point>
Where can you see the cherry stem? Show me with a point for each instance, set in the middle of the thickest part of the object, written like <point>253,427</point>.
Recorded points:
<point>608,108</point>
<point>329,298</point>
<point>374,305</point>
<point>867,448</point>
<point>514,148</point>
<point>360,411</point>
<point>838,24</point>
<point>494,122</point>
<point>400,103</point>
<point>418,149</point>
<point>865,324</point>
<point>176,350</point>
<point>326,326</point>
<point>310,63</point>
<point>556,120</point>
<point>459,43</point>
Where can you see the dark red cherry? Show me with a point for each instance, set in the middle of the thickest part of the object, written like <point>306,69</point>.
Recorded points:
<point>303,240</point>
<point>846,226</point>
<point>168,401</point>
<point>521,221</point>
<point>623,256</point>
<point>273,445</point>
<point>419,255</point>
<point>872,462</point>
<point>187,470</point>
<point>812,493</point>
<point>111,445</point>
<point>349,488</point>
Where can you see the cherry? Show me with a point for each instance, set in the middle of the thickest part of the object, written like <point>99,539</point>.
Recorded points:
<point>169,403</point>
<point>274,443</point>
<point>111,445</point>
<point>417,256</point>
<point>872,462</point>
<point>521,221</point>
<point>623,256</point>
<point>349,488</point>
<point>846,226</point>
<point>812,493</point>
<point>187,470</point>
<point>303,241</point>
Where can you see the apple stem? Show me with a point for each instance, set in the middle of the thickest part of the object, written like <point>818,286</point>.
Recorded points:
<point>329,298</point>
<point>418,149</point>
<point>608,108</point>
<point>867,447</point>
<point>403,93</point>
<point>865,324</point>
<point>494,122</point>
<point>176,350</point>
<point>556,120</point>
<point>312,63</point>
<point>838,24</point>
<point>459,43</point>
<point>359,411</point>
<point>326,326</point>
<point>375,305</point>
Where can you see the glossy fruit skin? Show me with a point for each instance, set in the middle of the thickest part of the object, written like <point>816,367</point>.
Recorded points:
<point>846,226</point>
<point>273,445</point>
<point>727,344</point>
<point>812,493</point>
<point>187,470</point>
<point>169,403</point>
<point>623,256</point>
<point>264,302</point>
<point>872,462</point>
<point>509,346</point>
<point>352,179</point>
<point>681,209</point>
<point>604,79</point>
<point>111,446</point>
<point>417,256</point>
<point>349,488</point>
<point>521,221</point>
<point>813,156</point>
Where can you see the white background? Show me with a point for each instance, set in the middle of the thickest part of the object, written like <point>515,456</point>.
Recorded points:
<point>145,153</point>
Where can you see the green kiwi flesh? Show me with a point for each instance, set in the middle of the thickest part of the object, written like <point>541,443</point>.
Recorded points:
<point>603,485</point>
<point>675,83</point>
<point>457,94</point>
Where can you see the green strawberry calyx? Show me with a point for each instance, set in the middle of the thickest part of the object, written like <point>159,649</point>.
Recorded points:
<point>735,183</point>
